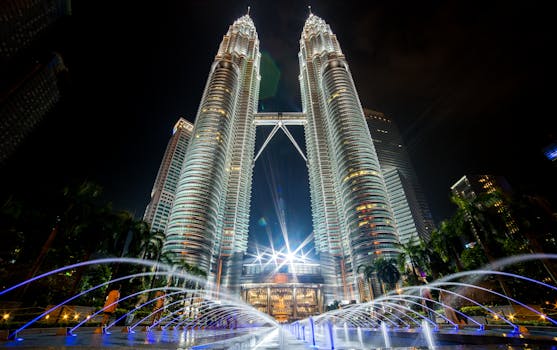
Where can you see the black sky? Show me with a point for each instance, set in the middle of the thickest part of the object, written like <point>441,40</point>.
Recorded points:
<point>469,83</point>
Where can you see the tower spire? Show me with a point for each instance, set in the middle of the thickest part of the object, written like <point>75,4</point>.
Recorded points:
<point>247,13</point>
<point>309,9</point>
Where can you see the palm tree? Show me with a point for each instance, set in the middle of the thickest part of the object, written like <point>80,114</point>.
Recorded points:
<point>490,220</point>
<point>417,255</point>
<point>381,269</point>
<point>151,246</point>
<point>387,272</point>
<point>77,207</point>
<point>444,239</point>
<point>486,223</point>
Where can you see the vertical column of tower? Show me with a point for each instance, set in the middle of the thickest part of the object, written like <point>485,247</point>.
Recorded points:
<point>366,206</point>
<point>244,45</point>
<point>354,179</point>
<point>327,223</point>
<point>192,228</point>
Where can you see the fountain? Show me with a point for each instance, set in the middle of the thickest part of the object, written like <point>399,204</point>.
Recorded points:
<point>386,337</point>
<point>406,308</point>
<point>312,331</point>
<point>197,317</point>
<point>428,334</point>
<point>222,317</point>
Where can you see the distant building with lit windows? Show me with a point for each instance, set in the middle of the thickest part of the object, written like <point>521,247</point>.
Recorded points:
<point>22,22</point>
<point>410,208</point>
<point>469,187</point>
<point>31,79</point>
<point>25,103</point>
<point>162,195</point>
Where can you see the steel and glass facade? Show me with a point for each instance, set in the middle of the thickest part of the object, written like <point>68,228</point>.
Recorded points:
<point>208,225</point>
<point>353,223</point>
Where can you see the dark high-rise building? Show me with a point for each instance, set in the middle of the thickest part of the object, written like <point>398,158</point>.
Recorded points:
<point>26,102</point>
<point>23,21</point>
<point>162,195</point>
<point>408,202</point>
<point>29,73</point>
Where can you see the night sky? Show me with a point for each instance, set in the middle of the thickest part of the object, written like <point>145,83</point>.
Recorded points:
<point>470,85</point>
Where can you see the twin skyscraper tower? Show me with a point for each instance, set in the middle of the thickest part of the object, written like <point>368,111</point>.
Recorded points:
<point>352,220</point>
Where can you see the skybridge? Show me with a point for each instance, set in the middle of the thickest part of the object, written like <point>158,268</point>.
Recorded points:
<point>280,120</point>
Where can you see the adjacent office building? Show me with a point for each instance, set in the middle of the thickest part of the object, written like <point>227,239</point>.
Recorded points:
<point>411,211</point>
<point>162,195</point>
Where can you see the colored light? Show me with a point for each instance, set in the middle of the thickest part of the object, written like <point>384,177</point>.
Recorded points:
<point>551,152</point>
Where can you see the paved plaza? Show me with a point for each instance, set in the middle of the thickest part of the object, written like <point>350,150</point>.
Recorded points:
<point>273,339</point>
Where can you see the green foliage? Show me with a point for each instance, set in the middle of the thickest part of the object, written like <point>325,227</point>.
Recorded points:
<point>534,323</point>
<point>74,225</point>
<point>501,225</point>
<point>385,269</point>
<point>94,276</point>
<point>473,310</point>
<point>473,258</point>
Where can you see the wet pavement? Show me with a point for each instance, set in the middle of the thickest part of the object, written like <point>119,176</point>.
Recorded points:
<point>85,338</point>
<point>268,339</point>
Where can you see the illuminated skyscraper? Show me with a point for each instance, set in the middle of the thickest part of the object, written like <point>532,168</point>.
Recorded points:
<point>353,223</point>
<point>352,220</point>
<point>408,202</point>
<point>208,224</point>
<point>162,195</point>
